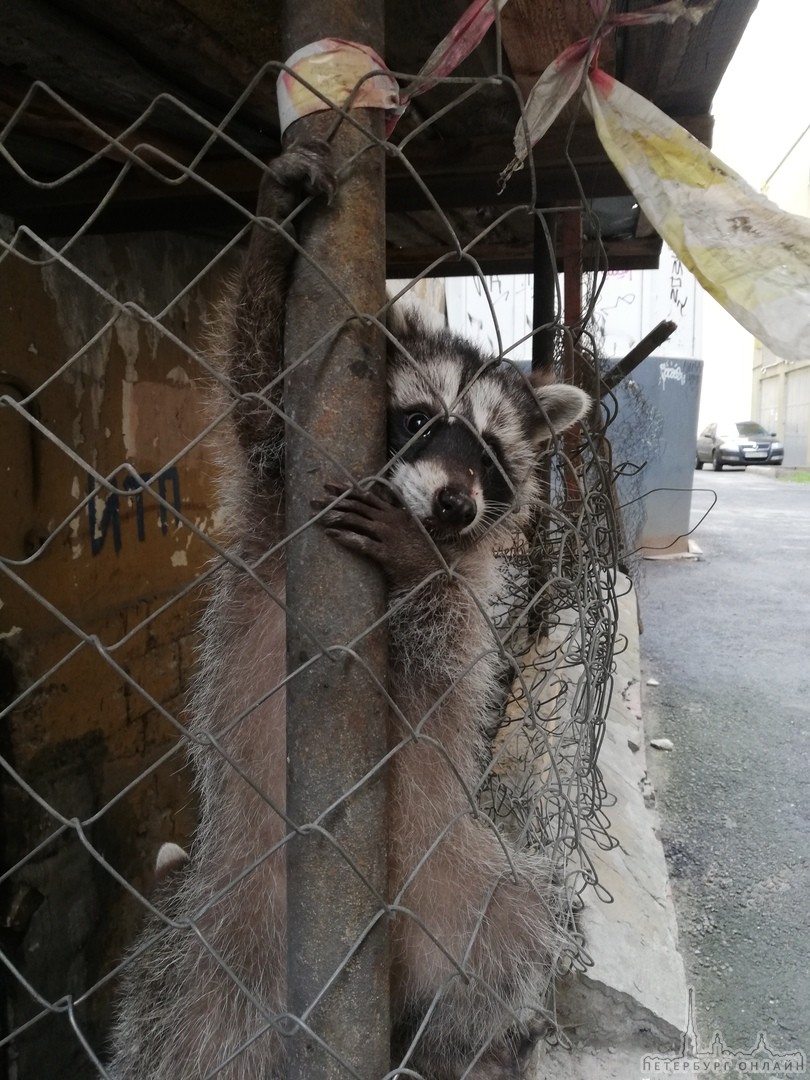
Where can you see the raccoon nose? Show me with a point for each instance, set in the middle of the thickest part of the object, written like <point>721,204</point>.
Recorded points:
<point>454,507</point>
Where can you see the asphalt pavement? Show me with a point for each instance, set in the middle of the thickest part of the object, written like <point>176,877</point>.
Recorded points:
<point>727,637</point>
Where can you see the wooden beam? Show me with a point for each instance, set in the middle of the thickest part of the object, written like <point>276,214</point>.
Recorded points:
<point>45,120</point>
<point>459,174</point>
<point>466,172</point>
<point>518,258</point>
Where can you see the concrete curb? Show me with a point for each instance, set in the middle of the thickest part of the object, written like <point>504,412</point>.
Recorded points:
<point>777,472</point>
<point>632,1001</point>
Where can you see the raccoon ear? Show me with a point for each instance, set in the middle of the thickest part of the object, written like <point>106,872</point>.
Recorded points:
<point>402,320</point>
<point>561,405</point>
<point>411,315</point>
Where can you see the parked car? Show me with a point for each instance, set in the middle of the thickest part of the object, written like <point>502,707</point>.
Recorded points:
<point>743,443</point>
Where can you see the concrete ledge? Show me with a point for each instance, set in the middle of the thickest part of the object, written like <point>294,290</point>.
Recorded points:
<point>633,999</point>
<point>778,472</point>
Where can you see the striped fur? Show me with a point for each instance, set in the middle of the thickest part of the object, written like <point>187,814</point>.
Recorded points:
<point>474,945</point>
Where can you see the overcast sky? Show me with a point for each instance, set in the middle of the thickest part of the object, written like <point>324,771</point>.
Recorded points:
<point>760,109</point>
<point>763,104</point>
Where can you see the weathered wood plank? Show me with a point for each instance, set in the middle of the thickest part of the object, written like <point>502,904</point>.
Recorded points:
<point>93,71</point>
<point>458,174</point>
<point>518,258</point>
<point>679,67</point>
<point>251,30</point>
<point>46,120</point>
<point>205,57</point>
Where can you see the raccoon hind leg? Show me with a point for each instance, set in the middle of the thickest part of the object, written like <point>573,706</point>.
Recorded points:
<point>440,1058</point>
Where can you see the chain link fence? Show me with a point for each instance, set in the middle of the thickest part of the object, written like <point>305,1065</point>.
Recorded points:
<point>129,506</point>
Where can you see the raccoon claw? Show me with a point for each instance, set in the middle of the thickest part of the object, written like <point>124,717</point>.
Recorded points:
<point>308,164</point>
<point>373,526</point>
<point>305,168</point>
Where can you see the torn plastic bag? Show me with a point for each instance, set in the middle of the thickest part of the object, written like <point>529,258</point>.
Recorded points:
<point>751,256</point>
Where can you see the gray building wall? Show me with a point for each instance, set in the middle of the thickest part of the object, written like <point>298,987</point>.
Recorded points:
<point>782,404</point>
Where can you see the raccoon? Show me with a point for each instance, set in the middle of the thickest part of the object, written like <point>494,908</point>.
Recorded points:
<point>474,941</point>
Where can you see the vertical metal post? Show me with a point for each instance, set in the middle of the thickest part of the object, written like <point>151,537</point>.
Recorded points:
<point>336,715</point>
<point>544,309</point>
<point>572,305</point>
<point>572,283</point>
<point>544,313</point>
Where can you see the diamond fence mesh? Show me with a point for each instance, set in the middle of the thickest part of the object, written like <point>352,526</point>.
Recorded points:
<point>142,656</point>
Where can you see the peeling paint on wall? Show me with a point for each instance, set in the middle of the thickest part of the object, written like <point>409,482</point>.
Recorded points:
<point>128,335</point>
<point>123,396</point>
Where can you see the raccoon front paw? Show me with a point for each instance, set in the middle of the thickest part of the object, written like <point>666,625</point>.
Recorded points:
<point>372,526</point>
<point>305,168</point>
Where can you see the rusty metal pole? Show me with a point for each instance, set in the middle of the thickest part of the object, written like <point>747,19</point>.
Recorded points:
<point>628,364</point>
<point>544,311</point>
<point>336,715</point>
<point>572,314</point>
<point>572,287</point>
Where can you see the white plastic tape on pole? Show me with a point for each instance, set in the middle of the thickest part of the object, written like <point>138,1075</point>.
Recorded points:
<point>334,68</point>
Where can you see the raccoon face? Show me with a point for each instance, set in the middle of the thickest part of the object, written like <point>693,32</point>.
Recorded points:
<point>464,434</point>
<point>450,474</point>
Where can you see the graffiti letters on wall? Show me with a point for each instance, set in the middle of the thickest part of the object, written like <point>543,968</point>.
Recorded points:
<point>677,293</point>
<point>104,513</point>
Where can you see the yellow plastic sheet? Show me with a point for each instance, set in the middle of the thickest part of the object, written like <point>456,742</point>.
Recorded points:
<point>751,256</point>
